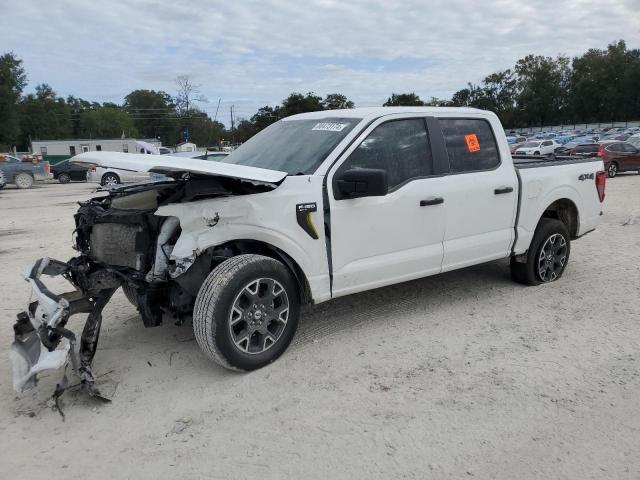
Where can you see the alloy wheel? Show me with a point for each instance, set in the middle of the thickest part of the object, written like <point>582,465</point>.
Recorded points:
<point>552,258</point>
<point>259,315</point>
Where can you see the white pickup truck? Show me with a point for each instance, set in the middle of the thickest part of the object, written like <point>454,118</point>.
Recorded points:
<point>316,206</point>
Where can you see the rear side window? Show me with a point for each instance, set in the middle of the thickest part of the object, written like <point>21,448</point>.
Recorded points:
<point>401,147</point>
<point>470,143</point>
<point>616,147</point>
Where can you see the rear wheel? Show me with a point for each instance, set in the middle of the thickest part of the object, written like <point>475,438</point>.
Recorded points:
<point>548,254</point>
<point>246,312</point>
<point>64,178</point>
<point>536,153</point>
<point>612,169</point>
<point>109,179</point>
<point>23,180</point>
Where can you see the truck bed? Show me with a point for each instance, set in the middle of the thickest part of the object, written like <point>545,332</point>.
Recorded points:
<point>536,161</point>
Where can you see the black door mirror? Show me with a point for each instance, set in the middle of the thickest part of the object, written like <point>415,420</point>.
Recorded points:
<point>363,182</point>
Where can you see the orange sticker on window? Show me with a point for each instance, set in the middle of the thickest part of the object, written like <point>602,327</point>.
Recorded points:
<point>472,142</point>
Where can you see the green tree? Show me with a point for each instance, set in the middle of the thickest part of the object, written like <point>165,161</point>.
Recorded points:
<point>76,107</point>
<point>12,82</point>
<point>299,103</point>
<point>336,101</point>
<point>604,84</point>
<point>542,89</point>
<point>44,115</point>
<point>202,130</point>
<point>403,100</point>
<point>153,113</point>
<point>106,122</point>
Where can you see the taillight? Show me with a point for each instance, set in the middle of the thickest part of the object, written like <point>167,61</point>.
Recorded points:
<point>47,167</point>
<point>601,150</point>
<point>601,180</point>
<point>93,168</point>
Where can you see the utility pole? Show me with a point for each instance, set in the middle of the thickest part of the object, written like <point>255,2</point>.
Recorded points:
<point>233,138</point>
<point>217,108</point>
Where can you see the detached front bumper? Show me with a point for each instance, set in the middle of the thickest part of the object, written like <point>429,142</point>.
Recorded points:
<point>41,340</point>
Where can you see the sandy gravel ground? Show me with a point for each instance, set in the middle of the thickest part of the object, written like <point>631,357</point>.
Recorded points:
<point>463,375</point>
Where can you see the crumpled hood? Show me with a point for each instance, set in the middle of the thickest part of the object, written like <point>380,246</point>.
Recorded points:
<point>167,164</point>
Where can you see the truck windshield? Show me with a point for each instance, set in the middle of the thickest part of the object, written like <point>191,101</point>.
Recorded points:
<point>293,146</point>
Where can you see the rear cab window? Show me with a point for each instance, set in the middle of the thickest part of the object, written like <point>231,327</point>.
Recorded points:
<point>470,143</point>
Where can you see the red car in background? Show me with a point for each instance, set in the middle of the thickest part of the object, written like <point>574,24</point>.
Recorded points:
<point>617,156</point>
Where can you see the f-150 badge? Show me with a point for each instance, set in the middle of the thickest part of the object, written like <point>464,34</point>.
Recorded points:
<point>303,215</point>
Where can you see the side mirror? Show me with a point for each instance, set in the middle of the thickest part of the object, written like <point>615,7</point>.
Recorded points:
<point>363,182</point>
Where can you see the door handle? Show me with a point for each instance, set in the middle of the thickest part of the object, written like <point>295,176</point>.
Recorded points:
<point>431,201</point>
<point>501,190</point>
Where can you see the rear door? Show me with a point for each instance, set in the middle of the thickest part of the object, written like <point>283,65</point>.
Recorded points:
<point>480,193</point>
<point>381,240</point>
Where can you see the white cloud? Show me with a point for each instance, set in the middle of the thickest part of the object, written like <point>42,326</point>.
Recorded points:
<point>252,53</point>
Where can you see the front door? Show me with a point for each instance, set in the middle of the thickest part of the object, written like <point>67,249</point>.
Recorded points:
<point>377,241</point>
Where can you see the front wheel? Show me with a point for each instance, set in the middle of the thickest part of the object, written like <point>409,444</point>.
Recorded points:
<point>612,169</point>
<point>536,153</point>
<point>548,254</point>
<point>246,312</point>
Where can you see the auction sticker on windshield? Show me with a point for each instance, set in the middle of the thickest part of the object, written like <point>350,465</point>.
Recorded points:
<point>330,126</point>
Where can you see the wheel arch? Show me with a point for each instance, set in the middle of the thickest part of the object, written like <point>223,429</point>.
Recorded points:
<point>565,210</point>
<point>214,255</point>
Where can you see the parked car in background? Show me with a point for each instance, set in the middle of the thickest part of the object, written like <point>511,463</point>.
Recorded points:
<point>617,136</point>
<point>107,176</point>
<point>538,147</point>
<point>215,155</point>
<point>66,172</point>
<point>515,146</point>
<point>23,173</point>
<point>619,157</point>
<point>634,140</point>
<point>567,147</point>
<point>584,150</point>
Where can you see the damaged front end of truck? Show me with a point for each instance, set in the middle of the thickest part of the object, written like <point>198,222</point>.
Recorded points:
<point>121,243</point>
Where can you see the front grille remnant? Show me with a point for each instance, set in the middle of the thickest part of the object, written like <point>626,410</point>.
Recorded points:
<point>115,244</point>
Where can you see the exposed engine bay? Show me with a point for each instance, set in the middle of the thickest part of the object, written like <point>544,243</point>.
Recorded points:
<point>121,243</point>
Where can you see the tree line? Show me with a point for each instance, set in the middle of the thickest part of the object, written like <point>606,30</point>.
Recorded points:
<point>599,86</point>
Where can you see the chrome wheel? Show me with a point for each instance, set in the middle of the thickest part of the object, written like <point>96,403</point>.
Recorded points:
<point>552,258</point>
<point>259,315</point>
<point>612,170</point>
<point>110,180</point>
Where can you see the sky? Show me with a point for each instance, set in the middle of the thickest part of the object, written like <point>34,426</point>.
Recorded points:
<point>254,53</point>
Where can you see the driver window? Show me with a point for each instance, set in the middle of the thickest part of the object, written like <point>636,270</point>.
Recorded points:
<point>401,147</point>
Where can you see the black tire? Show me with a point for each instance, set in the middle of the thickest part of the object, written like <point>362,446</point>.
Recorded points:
<point>536,153</point>
<point>528,273</point>
<point>612,170</point>
<point>109,179</point>
<point>64,178</point>
<point>23,180</point>
<point>218,300</point>
<point>131,294</point>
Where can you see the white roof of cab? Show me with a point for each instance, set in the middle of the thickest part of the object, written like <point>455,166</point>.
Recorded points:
<point>375,112</point>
